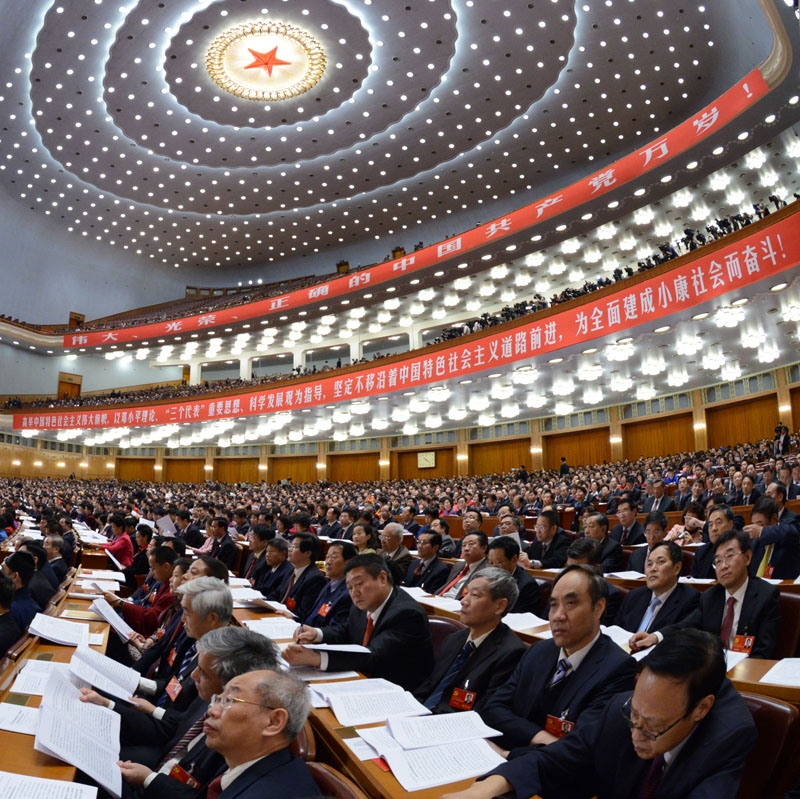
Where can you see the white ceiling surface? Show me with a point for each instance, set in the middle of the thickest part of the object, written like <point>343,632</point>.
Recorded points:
<point>427,108</point>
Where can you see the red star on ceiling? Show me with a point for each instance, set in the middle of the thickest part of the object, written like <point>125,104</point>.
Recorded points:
<point>267,61</point>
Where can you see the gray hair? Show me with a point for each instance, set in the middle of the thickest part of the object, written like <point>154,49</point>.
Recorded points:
<point>502,585</point>
<point>281,689</point>
<point>209,595</point>
<point>395,530</point>
<point>237,651</point>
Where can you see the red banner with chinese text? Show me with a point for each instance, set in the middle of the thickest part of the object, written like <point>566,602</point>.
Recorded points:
<point>709,120</point>
<point>768,252</point>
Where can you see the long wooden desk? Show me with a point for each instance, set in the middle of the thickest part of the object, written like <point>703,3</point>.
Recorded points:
<point>746,675</point>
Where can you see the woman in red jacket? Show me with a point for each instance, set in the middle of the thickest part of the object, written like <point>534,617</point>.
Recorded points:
<point>120,546</point>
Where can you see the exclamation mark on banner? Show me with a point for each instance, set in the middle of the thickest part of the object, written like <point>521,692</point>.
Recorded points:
<point>747,89</point>
<point>780,244</point>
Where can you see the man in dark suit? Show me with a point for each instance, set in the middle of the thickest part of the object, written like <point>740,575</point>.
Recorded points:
<point>408,522</point>
<point>776,543</point>
<point>743,611</point>
<point>187,530</point>
<point>779,492</point>
<point>655,528</point>
<point>9,630</point>
<point>427,572</point>
<point>474,662</point>
<point>384,619</point>
<point>54,547</point>
<point>629,531</point>
<point>331,528</point>
<point>559,679</point>
<point>346,523</point>
<point>278,567</point>
<point>720,520</point>
<point>748,494</point>
<point>222,654</point>
<point>223,547</point>
<point>683,494</point>
<point>256,566</point>
<point>596,527</point>
<point>392,547</point>
<point>549,550</point>
<point>333,603</point>
<point>255,732</point>
<point>503,553</point>
<point>660,500</point>
<point>20,567</point>
<point>663,601</point>
<point>634,746</point>
<point>586,551</point>
<point>141,563</point>
<point>302,585</point>
<point>473,554</point>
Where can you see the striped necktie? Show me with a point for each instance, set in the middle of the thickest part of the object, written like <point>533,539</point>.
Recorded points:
<point>185,740</point>
<point>564,667</point>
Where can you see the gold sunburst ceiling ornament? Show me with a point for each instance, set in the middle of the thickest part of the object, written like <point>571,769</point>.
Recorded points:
<point>265,61</point>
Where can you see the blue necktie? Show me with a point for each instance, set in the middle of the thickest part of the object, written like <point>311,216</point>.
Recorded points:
<point>433,700</point>
<point>648,616</point>
<point>182,671</point>
<point>563,669</point>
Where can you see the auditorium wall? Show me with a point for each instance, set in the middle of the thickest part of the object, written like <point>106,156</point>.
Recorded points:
<point>738,422</point>
<point>404,464</point>
<point>581,447</point>
<point>353,466</point>
<point>183,470</point>
<point>666,435</point>
<point>499,456</point>
<point>298,469</point>
<point>28,457</point>
<point>236,470</point>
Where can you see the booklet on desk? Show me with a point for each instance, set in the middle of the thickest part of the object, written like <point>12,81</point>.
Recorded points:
<point>19,786</point>
<point>369,708</point>
<point>64,632</point>
<point>448,728</point>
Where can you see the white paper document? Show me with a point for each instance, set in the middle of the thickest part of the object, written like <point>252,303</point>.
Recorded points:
<point>697,580</point>
<point>442,603</point>
<point>166,525</point>
<point>238,582</point>
<point>328,689</point>
<point>242,593</point>
<point>267,604</point>
<point>360,748</point>
<point>82,595</point>
<point>352,709</point>
<point>523,621</point>
<point>18,718</point>
<point>338,647</point>
<point>119,625</point>
<point>619,636</point>
<point>104,673</point>
<point>99,585</point>
<point>784,672</point>
<point>63,698</point>
<point>448,728</point>
<point>440,765</point>
<point>732,659</point>
<point>102,574</point>
<point>416,591</point>
<point>627,575</point>
<point>310,674</point>
<point>35,675</point>
<point>380,739</point>
<point>62,631</point>
<point>277,629</point>
<point>18,786</point>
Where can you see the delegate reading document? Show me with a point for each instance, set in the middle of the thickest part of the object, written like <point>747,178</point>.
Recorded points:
<point>18,786</point>
<point>352,709</point>
<point>63,698</point>
<point>104,673</point>
<point>449,728</point>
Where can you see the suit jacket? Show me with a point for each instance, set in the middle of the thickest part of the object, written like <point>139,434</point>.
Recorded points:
<point>681,499</point>
<point>338,598</point>
<point>10,633</point>
<point>760,615</point>
<point>304,591</point>
<point>556,555</point>
<point>345,532</point>
<point>412,527</point>
<point>225,550</point>
<point>401,556</point>
<point>271,581</point>
<point>192,535</point>
<point>679,604</point>
<point>520,706</point>
<point>610,555</point>
<point>259,564</point>
<point>40,588</point>
<point>635,536</point>
<point>784,538</point>
<point>487,668</point>
<point>400,645</point>
<point>140,565</point>
<point>666,504</point>
<point>60,567</point>
<point>751,500</point>
<point>528,600</point>
<point>330,530</point>
<point>154,662</point>
<point>456,569</point>
<point>792,491</point>
<point>703,563</point>
<point>144,618</point>
<point>279,774</point>
<point>638,559</point>
<point>598,759</point>
<point>24,607</point>
<point>432,578</point>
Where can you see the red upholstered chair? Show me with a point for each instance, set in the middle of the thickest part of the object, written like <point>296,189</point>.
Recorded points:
<point>789,630</point>
<point>333,783</point>
<point>16,650</point>
<point>305,745</point>
<point>441,627</point>
<point>775,720</point>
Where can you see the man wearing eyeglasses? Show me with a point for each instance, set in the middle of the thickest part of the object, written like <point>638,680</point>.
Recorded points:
<point>549,550</point>
<point>392,546</point>
<point>684,732</point>
<point>743,611</point>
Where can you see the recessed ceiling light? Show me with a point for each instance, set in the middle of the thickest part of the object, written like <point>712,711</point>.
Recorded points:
<point>590,351</point>
<point>496,374</point>
<point>555,360</point>
<point>662,329</point>
<point>464,382</point>
<point>779,287</point>
<point>699,316</point>
<point>742,301</point>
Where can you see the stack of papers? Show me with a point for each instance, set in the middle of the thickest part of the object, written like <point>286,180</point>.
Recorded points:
<point>36,674</point>
<point>276,628</point>
<point>310,674</point>
<point>238,582</point>
<point>523,621</point>
<point>697,580</point>
<point>421,751</point>
<point>784,672</point>
<point>16,786</point>
<point>18,718</point>
<point>93,584</point>
<point>416,591</point>
<point>104,673</point>
<point>627,575</point>
<point>322,692</point>
<point>118,624</point>
<point>242,593</point>
<point>442,603</point>
<point>371,707</point>
<point>61,631</point>
<point>101,574</point>
<point>82,734</point>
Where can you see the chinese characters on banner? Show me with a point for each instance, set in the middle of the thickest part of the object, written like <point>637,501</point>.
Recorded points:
<point>708,120</point>
<point>765,253</point>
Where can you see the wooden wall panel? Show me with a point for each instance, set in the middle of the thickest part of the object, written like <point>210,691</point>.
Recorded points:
<point>661,436</point>
<point>741,422</point>
<point>236,470</point>
<point>300,469</point>
<point>135,469</point>
<point>184,470</point>
<point>795,395</point>
<point>499,456</point>
<point>580,448</point>
<point>407,469</point>
<point>355,466</point>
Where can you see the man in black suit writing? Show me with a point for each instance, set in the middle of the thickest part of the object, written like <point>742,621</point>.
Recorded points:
<point>663,601</point>
<point>474,662</point>
<point>385,619</point>
<point>635,747</point>
<point>743,611</point>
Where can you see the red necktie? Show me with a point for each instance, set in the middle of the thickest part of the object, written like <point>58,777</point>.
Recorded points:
<point>727,624</point>
<point>367,630</point>
<point>651,781</point>
<point>461,574</point>
<point>288,589</point>
<point>214,788</point>
<point>419,568</point>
